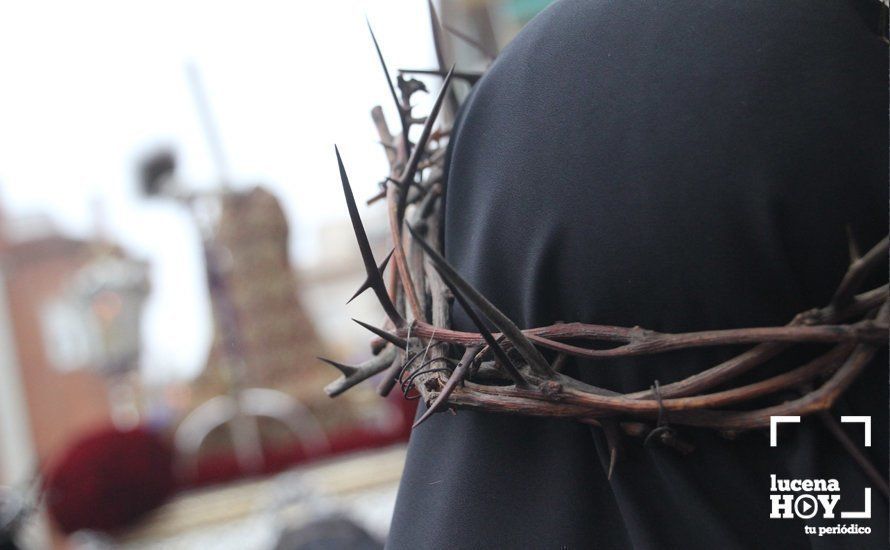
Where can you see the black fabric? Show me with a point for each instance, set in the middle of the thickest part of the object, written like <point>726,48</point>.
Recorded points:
<point>680,166</point>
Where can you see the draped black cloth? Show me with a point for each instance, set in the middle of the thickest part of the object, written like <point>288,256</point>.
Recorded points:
<point>682,165</point>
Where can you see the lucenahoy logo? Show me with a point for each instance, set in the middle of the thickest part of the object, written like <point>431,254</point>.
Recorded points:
<point>809,498</point>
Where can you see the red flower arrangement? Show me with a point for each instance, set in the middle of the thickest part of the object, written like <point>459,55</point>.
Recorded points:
<point>109,479</point>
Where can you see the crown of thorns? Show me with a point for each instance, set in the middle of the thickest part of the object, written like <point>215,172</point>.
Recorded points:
<point>505,370</point>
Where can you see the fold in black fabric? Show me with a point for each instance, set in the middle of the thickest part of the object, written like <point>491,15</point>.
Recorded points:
<point>679,166</point>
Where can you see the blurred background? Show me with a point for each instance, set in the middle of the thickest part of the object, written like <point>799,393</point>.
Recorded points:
<point>174,254</point>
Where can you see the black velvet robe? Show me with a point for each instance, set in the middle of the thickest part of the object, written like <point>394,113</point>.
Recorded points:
<point>680,166</point>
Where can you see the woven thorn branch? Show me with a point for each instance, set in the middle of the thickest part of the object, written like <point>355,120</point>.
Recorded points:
<point>505,371</point>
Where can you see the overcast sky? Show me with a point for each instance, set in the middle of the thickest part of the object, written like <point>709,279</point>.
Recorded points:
<point>89,86</point>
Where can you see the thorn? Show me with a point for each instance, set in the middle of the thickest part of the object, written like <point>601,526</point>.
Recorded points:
<point>392,89</point>
<point>373,273</point>
<point>472,78</point>
<point>388,336</point>
<point>457,376</point>
<point>429,199</point>
<point>858,272</point>
<point>523,345</point>
<point>471,41</point>
<point>367,284</point>
<point>347,370</point>
<point>613,440</point>
<point>420,147</point>
<point>379,196</point>
<point>439,43</point>
<point>486,335</point>
<point>408,87</point>
<point>364,371</point>
<point>437,35</point>
<point>382,193</point>
<point>401,109</point>
<point>852,245</point>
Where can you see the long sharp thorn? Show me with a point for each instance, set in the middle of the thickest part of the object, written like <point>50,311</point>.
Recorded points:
<point>367,284</point>
<point>380,195</point>
<point>456,377</point>
<point>420,147</point>
<point>472,78</point>
<point>373,274</point>
<point>411,169</point>
<point>392,89</point>
<point>460,372</point>
<point>388,336</point>
<point>486,334</point>
<point>439,43</point>
<point>509,329</point>
<point>858,272</point>
<point>489,339</point>
<point>347,370</point>
<point>613,440</point>
<point>852,245</point>
<point>364,371</point>
<point>437,35</point>
<point>471,41</point>
<point>402,110</point>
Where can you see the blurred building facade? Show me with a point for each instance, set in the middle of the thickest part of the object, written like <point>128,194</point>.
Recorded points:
<point>60,361</point>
